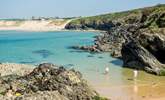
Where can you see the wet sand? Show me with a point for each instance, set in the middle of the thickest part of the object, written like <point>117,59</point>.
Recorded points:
<point>133,92</point>
<point>151,88</point>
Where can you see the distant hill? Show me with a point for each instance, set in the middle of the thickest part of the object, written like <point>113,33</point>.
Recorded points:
<point>104,22</point>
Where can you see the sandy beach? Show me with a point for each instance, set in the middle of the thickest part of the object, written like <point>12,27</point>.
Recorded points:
<point>34,25</point>
<point>12,68</point>
<point>136,91</point>
<point>133,92</point>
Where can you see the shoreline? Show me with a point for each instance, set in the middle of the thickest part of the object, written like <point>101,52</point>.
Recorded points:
<point>19,80</point>
<point>53,30</point>
<point>118,90</point>
<point>134,91</point>
<point>39,26</point>
<point>33,25</point>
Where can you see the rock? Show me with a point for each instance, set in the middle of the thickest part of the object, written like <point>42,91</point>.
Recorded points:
<point>136,56</point>
<point>41,95</point>
<point>146,51</point>
<point>87,48</point>
<point>116,54</point>
<point>49,77</point>
<point>9,93</point>
<point>98,25</point>
<point>43,53</point>
<point>161,21</point>
<point>137,37</point>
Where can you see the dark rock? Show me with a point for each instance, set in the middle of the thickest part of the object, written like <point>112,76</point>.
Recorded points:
<point>99,25</point>
<point>27,62</point>
<point>43,53</point>
<point>90,56</point>
<point>69,65</point>
<point>100,57</point>
<point>49,77</point>
<point>40,95</point>
<point>138,37</point>
<point>161,21</point>
<point>86,48</point>
<point>136,56</point>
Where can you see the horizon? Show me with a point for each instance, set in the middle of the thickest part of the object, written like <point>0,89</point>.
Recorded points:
<point>18,9</point>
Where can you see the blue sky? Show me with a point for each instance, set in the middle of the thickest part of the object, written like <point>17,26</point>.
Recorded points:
<point>67,8</point>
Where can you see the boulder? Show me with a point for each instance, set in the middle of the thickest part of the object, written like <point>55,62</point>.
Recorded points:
<point>92,48</point>
<point>136,56</point>
<point>49,77</point>
<point>40,95</point>
<point>94,25</point>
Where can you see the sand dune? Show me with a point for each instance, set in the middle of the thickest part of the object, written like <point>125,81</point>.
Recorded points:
<point>34,25</point>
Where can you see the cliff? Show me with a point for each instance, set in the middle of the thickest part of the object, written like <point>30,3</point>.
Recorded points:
<point>105,22</point>
<point>136,36</point>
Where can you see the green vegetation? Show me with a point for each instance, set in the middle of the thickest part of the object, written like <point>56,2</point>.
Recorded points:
<point>162,72</point>
<point>119,15</point>
<point>58,22</point>
<point>131,16</point>
<point>100,98</point>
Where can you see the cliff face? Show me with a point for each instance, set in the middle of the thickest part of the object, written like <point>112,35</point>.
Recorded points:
<point>149,16</point>
<point>137,36</point>
<point>84,25</point>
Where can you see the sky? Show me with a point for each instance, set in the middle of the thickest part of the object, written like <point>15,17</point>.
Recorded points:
<point>68,8</point>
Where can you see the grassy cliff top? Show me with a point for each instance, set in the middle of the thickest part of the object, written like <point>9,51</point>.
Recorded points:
<point>121,15</point>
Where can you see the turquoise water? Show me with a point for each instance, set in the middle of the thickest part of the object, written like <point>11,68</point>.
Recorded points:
<point>53,47</point>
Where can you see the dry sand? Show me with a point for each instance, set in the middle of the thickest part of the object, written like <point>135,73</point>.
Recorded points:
<point>34,25</point>
<point>12,68</point>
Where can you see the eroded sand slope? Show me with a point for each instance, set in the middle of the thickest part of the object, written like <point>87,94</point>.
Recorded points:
<point>34,25</point>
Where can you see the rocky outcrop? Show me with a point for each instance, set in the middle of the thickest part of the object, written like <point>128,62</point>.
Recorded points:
<point>142,48</point>
<point>40,95</point>
<point>146,51</point>
<point>112,40</point>
<point>48,79</point>
<point>136,56</point>
<point>92,49</point>
<point>137,37</point>
<point>94,24</point>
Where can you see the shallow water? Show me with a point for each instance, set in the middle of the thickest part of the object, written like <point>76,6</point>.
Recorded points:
<point>53,47</point>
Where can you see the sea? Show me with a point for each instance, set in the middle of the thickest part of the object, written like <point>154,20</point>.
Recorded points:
<point>34,48</point>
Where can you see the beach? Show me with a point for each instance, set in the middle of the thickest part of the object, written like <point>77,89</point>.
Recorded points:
<point>32,49</point>
<point>123,89</point>
<point>136,91</point>
<point>34,25</point>
<point>133,92</point>
<point>13,68</point>
<point>82,50</point>
<point>15,79</point>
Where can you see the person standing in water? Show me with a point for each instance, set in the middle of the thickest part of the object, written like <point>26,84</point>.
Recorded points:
<point>135,87</point>
<point>106,70</point>
<point>135,73</point>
